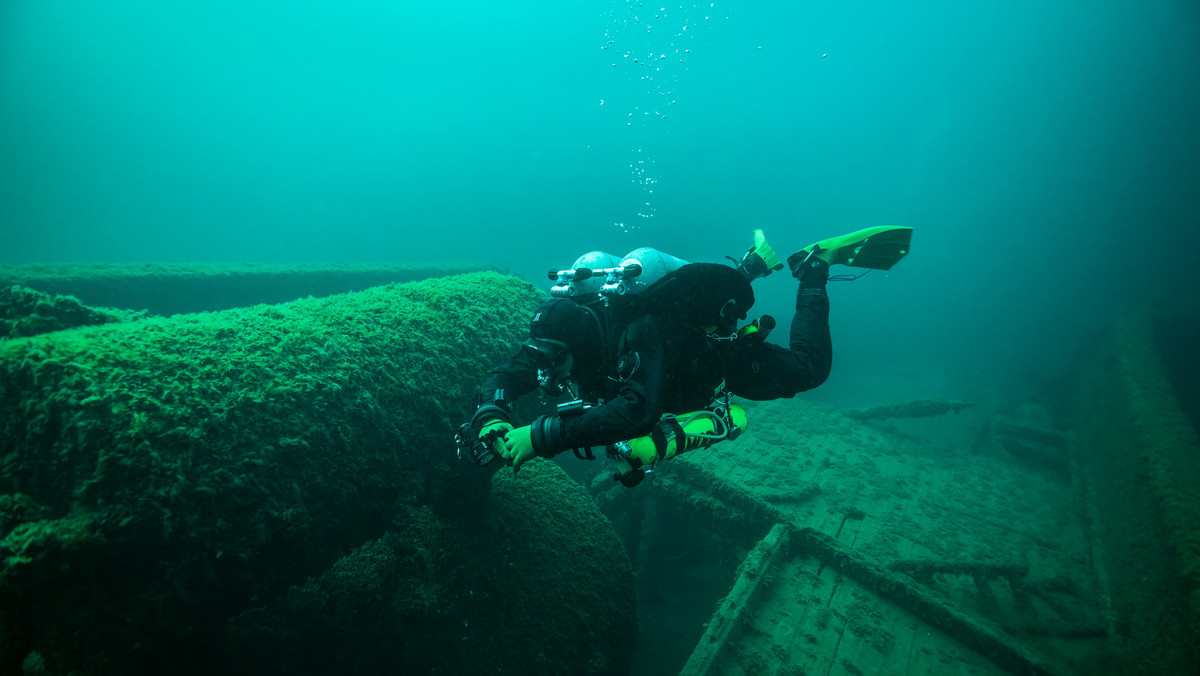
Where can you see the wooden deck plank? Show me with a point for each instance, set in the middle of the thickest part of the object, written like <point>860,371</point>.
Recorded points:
<point>961,521</point>
<point>812,619</point>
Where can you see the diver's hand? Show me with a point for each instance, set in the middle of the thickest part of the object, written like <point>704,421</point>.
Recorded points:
<point>494,432</point>
<point>518,447</point>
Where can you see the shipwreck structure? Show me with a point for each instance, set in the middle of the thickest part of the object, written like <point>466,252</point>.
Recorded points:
<point>270,487</point>
<point>1064,539</point>
<point>273,489</point>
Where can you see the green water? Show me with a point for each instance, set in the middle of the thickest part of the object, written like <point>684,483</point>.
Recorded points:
<point>1047,155</point>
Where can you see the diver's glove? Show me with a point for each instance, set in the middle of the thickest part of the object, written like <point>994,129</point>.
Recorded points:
<point>518,446</point>
<point>491,423</point>
<point>493,434</point>
<point>483,444</point>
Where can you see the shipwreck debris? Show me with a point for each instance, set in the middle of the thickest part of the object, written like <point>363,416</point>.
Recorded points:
<point>914,408</point>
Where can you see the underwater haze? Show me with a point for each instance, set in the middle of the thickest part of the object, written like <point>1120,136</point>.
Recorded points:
<point>1047,154</point>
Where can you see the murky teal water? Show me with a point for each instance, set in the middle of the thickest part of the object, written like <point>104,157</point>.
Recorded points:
<point>1046,154</point>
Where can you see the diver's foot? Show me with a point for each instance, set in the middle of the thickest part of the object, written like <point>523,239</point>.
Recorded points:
<point>809,267</point>
<point>761,260</point>
<point>878,248</point>
<point>799,260</point>
<point>834,251</point>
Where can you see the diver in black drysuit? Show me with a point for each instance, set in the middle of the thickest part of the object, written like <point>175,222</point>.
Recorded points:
<point>652,366</point>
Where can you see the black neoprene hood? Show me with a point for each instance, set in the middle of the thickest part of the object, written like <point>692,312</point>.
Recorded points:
<point>564,320</point>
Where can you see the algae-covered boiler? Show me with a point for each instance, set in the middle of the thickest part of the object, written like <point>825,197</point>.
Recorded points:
<point>152,472</point>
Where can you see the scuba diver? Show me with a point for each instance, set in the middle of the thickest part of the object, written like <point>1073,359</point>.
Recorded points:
<point>635,341</point>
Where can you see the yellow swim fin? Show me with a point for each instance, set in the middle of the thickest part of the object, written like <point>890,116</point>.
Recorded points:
<point>877,248</point>
<point>761,260</point>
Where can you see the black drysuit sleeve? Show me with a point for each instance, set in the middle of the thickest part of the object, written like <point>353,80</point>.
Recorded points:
<point>504,385</point>
<point>632,413</point>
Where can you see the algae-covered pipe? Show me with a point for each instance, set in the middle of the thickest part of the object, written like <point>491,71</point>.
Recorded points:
<point>160,473</point>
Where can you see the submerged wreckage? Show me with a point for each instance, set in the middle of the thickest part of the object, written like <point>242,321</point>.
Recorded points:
<point>271,489</point>
<point>1064,542</point>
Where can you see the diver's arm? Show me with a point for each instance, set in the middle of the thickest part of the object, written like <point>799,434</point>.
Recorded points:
<point>505,384</point>
<point>632,413</point>
<point>628,416</point>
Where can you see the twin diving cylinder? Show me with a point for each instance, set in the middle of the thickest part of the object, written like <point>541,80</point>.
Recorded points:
<point>600,274</point>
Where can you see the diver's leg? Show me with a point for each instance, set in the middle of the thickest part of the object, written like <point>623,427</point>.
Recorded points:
<point>760,371</point>
<point>809,337</point>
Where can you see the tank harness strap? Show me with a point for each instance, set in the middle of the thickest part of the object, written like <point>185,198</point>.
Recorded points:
<point>625,364</point>
<point>601,324</point>
<point>663,433</point>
